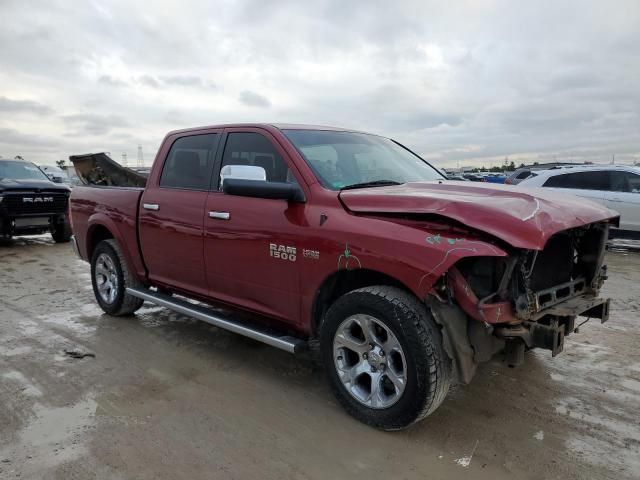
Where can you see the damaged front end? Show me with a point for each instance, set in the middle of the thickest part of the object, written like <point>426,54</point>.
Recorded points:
<point>528,299</point>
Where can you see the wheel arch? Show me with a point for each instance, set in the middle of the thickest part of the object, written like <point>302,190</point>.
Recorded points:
<point>342,281</point>
<point>95,234</point>
<point>101,227</point>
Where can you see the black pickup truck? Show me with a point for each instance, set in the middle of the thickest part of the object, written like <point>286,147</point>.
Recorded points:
<point>30,203</point>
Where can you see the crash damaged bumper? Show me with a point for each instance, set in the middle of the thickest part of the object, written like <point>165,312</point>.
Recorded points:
<point>548,334</point>
<point>528,300</point>
<point>469,342</point>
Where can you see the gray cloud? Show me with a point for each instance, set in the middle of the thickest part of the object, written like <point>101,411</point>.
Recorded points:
<point>94,124</point>
<point>148,81</point>
<point>111,81</point>
<point>253,99</point>
<point>16,106</point>
<point>472,83</point>
<point>184,80</point>
<point>29,145</point>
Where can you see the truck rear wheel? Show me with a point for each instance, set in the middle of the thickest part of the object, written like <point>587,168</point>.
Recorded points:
<point>384,356</point>
<point>110,277</point>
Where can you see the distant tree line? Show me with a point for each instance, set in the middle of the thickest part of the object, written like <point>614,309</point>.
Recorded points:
<point>505,167</point>
<point>60,163</point>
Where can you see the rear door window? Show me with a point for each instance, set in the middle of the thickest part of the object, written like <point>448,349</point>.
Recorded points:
<point>596,180</point>
<point>190,162</point>
<point>625,182</point>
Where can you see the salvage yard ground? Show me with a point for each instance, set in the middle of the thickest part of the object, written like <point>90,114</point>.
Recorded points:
<point>169,397</point>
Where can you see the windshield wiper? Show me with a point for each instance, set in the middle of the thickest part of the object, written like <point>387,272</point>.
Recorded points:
<point>374,183</point>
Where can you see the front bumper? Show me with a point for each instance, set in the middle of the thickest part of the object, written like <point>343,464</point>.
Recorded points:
<point>559,322</point>
<point>28,224</point>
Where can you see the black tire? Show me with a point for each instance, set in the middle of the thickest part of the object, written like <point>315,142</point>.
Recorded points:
<point>122,303</point>
<point>61,232</point>
<point>428,368</point>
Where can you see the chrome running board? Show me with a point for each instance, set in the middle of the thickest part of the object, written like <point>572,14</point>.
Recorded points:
<point>219,319</point>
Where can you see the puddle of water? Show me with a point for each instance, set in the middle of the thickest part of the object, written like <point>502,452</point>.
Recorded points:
<point>15,351</point>
<point>609,438</point>
<point>602,453</point>
<point>55,425</point>
<point>631,384</point>
<point>29,328</point>
<point>113,409</point>
<point>73,320</point>
<point>28,388</point>
<point>615,327</point>
<point>54,437</point>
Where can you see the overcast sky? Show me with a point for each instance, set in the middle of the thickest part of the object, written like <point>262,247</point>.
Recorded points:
<point>460,81</point>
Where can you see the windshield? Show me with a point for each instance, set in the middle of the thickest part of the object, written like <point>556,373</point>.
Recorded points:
<point>343,159</point>
<point>20,170</point>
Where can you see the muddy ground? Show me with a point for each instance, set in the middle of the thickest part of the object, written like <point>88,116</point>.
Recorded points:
<point>168,397</point>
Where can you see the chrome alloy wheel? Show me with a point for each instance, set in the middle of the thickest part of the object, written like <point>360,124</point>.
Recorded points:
<point>106,278</point>
<point>369,361</point>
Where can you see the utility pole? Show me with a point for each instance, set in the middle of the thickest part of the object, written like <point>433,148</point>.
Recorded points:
<point>140,157</point>
<point>124,159</point>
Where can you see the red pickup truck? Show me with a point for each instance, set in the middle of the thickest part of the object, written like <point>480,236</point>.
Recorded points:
<point>348,244</point>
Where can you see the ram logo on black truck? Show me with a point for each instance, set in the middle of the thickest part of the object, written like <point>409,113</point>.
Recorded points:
<point>36,199</point>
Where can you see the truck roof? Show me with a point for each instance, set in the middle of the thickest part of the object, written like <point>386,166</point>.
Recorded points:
<point>279,126</point>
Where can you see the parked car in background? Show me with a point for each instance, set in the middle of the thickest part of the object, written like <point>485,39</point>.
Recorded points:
<point>55,174</point>
<point>531,170</point>
<point>483,177</point>
<point>519,175</point>
<point>473,177</point>
<point>494,178</point>
<point>615,186</point>
<point>457,177</point>
<point>30,203</point>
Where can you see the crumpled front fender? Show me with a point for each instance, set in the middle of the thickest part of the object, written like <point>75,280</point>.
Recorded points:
<point>445,251</point>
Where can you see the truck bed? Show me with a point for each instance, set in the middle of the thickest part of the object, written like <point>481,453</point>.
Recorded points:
<point>100,169</point>
<point>115,208</point>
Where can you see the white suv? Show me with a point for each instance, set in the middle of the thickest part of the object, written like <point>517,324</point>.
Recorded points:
<point>615,186</point>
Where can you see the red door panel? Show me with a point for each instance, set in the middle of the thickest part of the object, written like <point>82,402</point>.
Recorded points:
<point>240,266</point>
<point>171,238</point>
<point>252,255</point>
<point>172,211</point>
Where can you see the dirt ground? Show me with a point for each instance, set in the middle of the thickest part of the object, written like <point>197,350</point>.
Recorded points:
<point>167,397</point>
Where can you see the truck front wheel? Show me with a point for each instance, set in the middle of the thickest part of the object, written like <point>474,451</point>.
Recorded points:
<point>384,356</point>
<point>110,277</point>
<point>61,232</point>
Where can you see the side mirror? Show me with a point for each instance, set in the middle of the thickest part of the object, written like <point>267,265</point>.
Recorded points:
<point>263,189</point>
<point>242,172</point>
<point>251,181</point>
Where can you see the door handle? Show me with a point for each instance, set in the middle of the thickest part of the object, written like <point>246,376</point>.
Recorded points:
<point>220,215</point>
<point>151,206</point>
<point>616,200</point>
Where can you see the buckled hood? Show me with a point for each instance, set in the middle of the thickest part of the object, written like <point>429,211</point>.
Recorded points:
<point>524,218</point>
